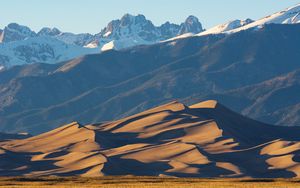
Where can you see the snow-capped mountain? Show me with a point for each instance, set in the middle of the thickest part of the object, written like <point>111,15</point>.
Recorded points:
<point>15,32</point>
<point>67,37</point>
<point>128,26</point>
<point>39,50</point>
<point>128,31</point>
<point>46,31</point>
<point>191,25</point>
<point>288,16</point>
<point>21,45</point>
<point>226,27</point>
<point>137,30</point>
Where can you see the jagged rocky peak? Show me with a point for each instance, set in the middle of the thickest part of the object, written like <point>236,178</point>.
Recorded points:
<point>46,31</point>
<point>130,25</point>
<point>20,28</point>
<point>127,25</point>
<point>133,30</point>
<point>137,23</point>
<point>111,26</point>
<point>15,32</point>
<point>128,19</point>
<point>130,30</point>
<point>191,25</point>
<point>169,30</point>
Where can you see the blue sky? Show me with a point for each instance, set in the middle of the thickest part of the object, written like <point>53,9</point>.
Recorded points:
<point>92,15</point>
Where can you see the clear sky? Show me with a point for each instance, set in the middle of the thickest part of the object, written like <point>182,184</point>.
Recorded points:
<point>92,15</point>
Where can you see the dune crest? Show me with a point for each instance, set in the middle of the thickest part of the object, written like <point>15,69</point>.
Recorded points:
<point>202,140</point>
<point>205,104</point>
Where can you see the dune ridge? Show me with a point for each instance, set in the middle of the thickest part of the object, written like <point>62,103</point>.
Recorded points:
<point>201,140</point>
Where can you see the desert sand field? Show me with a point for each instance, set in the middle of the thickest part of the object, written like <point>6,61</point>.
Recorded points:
<point>146,182</point>
<point>205,140</point>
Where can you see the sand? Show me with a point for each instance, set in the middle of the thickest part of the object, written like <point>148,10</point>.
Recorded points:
<point>202,140</point>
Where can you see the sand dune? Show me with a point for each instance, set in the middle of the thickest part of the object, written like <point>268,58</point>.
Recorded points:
<point>202,140</point>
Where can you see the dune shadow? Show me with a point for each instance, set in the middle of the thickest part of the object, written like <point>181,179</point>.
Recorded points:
<point>15,164</point>
<point>120,166</point>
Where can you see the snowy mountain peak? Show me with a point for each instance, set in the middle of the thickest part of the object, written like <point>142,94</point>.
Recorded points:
<point>128,25</point>
<point>46,31</point>
<point>191,25</point>
<point>133,30</point>
<point>20,28</point>
<point>226,27</point>
<point>288,16</point>
<point>47,45</point>
<point>14,32</point>
<point>191,20</point>
<point>42,49</point>
<point>129,19</point>
<point>126,20</point>
<point>69,38</point>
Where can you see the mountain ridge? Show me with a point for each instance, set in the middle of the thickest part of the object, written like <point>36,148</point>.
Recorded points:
<point>118,34</point>
<point>130,31</point>
<point>199,66</point>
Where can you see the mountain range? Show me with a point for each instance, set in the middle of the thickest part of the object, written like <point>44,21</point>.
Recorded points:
<point>202,140</point>
<point>116,84</point>
<point>253,71</point>
<point>20,45</point>
<point>57,46</point>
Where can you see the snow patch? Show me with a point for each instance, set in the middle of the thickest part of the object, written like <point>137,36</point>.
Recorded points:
<point>107,34</point>
<point>91,45</point>
<point>108,46</point>
<point>186,35</point>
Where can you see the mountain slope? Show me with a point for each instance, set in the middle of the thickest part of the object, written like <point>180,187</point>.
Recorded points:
<point>82,39</point>
<point>226,27</point>
<point>288,16</point>
<point>146,76</point>
<point>203,140</point>
<point>39,50</point>
<point>273,101</point>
